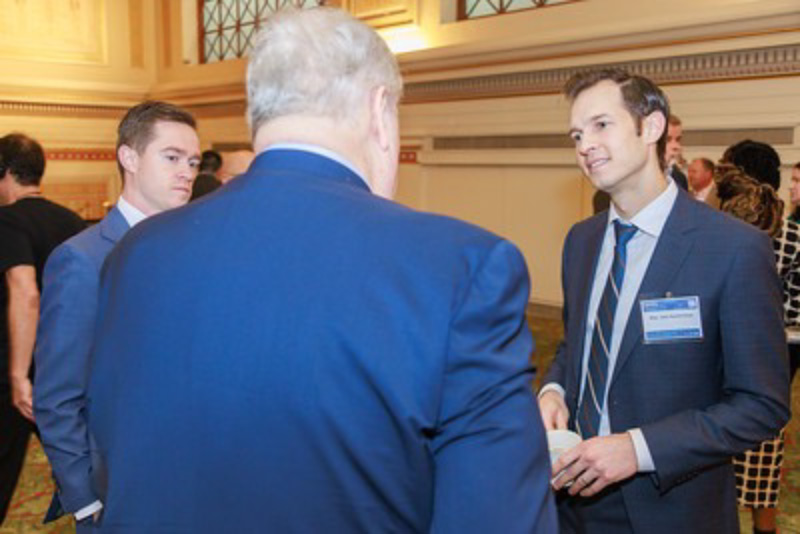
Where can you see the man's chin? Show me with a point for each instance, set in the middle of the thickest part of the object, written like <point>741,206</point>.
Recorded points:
<point>606,186</point>
<point>180,200</point>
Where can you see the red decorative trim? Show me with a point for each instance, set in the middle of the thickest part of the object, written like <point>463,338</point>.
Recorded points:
<point>408,154</point>
<point>81,154</point>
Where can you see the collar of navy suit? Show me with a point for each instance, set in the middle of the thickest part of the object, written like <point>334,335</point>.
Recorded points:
<point>309,159</point>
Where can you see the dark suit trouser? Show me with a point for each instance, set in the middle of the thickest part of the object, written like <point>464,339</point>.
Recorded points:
<point>601,514</point>
<point>15,431</point>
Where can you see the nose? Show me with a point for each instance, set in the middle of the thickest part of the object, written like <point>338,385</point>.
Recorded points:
<point>585,145</point>
<point>187,171</point>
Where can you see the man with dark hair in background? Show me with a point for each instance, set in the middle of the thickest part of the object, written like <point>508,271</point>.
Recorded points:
<point>674,152</point>
<point>661,334</point>
<point>207,180</point>
<point>30,228</point>
<point>158,153</point>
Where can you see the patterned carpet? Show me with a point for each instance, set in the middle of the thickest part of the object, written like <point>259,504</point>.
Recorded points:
<point>32,497</point>
<point>35,488</point>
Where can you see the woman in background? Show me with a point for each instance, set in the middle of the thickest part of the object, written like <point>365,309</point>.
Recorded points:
<point>794,193</point>
<point>748,178</point>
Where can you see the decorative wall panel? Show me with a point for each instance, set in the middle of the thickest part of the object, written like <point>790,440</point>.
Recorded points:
<point>136,18</point>
<point>89,200</point>
<point>382,13</point>
<point>62,31</point>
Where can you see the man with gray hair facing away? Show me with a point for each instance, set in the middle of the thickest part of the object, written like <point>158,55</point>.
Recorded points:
<point>367,370</point>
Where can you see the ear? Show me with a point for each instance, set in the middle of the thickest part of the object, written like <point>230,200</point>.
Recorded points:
<point>379,116</point>
<point>128,158</point>
<point>653,126</point>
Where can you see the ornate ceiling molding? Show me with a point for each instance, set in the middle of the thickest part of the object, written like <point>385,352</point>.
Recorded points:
<point>17,108</point>
<point>767,62</point>
<point>506,53</point>
<point>228,100</point>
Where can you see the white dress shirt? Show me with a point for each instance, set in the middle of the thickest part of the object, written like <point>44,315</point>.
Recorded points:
<point>132,215</point>
<point>650,222</point>
<point>703,193</point>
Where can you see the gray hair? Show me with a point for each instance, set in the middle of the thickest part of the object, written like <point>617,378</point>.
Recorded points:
<point>320,62</point>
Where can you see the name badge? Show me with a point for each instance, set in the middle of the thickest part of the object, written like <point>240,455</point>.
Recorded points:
<point>671,319</point>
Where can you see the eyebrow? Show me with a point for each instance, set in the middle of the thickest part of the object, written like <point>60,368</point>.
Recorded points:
<point>174,149</point>
<point>593,118</point>
<point>179,151</point>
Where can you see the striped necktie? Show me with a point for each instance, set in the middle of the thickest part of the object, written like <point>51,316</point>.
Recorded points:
<point>594,387</point>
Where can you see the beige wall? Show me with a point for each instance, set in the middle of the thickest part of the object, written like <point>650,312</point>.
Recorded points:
<point>96,52</point>
<point>72,96</point>
<point>71,70</point>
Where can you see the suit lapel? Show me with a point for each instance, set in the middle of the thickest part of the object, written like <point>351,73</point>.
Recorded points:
<point>673,247</point>
<point>586,272</point>
<point>113,226</point>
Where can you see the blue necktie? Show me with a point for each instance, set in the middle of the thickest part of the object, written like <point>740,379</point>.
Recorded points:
<point>594,387</point>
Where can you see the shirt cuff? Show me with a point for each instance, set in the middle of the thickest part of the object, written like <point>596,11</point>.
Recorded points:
<point>551,386</point>
<point>88,510</point>
<point>644,460</point>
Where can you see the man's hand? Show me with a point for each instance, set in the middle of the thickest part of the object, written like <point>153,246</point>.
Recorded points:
<point>23,317</point>
<point>595,463</point>
<point>22,396</point>
<point>555,414</point>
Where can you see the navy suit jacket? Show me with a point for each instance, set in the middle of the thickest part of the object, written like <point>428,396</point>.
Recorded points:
<point>697,403</point>
<point>295,354</point>
<point>64,340</point>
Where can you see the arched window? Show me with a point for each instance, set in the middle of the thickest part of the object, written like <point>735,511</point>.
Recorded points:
<point>228,27</point>
<point>472,9</point>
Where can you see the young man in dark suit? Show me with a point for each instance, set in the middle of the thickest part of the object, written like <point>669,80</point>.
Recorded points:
<point>674,356</point>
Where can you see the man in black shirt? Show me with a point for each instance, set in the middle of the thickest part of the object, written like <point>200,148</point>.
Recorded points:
<point>30,228</point>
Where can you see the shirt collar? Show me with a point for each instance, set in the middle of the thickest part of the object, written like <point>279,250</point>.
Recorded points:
<point>132,215</point>
<point>703,193</point>
<point>321,151</point>
<point>652,218</point>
